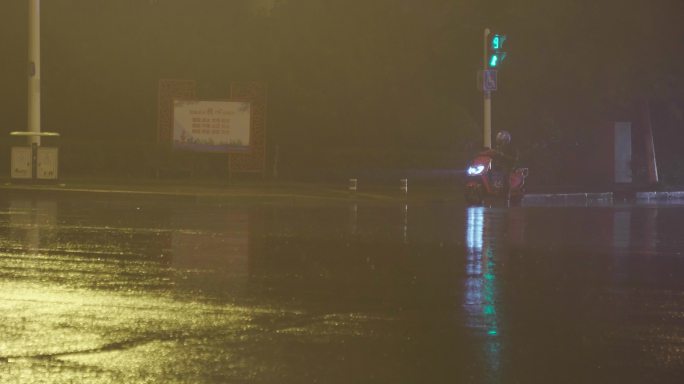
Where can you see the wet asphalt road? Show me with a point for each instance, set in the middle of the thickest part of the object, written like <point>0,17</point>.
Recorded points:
<point>147,291</point>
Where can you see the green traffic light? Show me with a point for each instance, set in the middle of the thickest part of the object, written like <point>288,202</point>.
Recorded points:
<point>495,47</point>
<point>496,42</point>
<point>494,61</point>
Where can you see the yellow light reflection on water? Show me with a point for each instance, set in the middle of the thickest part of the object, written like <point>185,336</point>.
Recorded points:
<point>78,334</point>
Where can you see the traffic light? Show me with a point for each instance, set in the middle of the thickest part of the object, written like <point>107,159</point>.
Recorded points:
<point>496,53</point>
<point>497,42</point>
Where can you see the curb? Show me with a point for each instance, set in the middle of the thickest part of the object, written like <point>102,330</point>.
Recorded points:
<point>299,192</point>
<point>286,193</point>
<point>569,198</point>
<point>599,197</point>
<point>659,196</point>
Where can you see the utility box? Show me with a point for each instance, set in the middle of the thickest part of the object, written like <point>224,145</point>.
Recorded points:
<point>47,167</point>
<point>34,162</point>
<point>21,163</point>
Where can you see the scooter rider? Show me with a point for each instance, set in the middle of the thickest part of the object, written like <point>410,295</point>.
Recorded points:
<point>505,157</point>
<point>507,154</point>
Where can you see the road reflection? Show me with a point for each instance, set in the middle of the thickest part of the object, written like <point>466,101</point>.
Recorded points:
<point>635,229</point>
<point>210,251</point>
<point>28,218</point>
<point>483,237</point>
<point>355,289</point>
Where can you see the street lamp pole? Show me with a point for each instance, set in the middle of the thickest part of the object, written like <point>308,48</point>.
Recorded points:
<point>34,72</point>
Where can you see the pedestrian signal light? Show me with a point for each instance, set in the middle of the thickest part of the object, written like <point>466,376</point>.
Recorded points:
<point>496,58</point>
<point>496,42</point>
<point>494,61</point>
<point>496,55</point>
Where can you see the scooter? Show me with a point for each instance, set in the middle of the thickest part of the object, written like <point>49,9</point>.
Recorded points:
<point>484,183</point>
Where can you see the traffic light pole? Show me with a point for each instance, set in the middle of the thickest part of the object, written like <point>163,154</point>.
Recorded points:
<point>487,97</point>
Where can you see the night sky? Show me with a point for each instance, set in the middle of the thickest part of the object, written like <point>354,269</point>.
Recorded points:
<point>397,74</point>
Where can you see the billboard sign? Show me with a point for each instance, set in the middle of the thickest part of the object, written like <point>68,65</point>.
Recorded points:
<point>211,126</point>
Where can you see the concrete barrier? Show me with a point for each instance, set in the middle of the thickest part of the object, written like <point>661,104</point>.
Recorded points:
<point>648,196</point>
<point>569,198</point>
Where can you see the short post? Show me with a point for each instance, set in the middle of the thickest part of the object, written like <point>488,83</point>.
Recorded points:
<point>403,185</point>
<point>353,185</point>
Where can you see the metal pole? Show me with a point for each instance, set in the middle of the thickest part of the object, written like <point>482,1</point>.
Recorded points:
<point>34,72</point>
<point>488,119</point>
<point>650,145</point>
<point>487,96</point>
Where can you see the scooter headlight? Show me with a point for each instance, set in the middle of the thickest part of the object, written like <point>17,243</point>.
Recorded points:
<point>475,170</point>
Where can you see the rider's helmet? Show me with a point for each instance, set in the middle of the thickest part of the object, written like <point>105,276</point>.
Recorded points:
<point>503,138</point>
